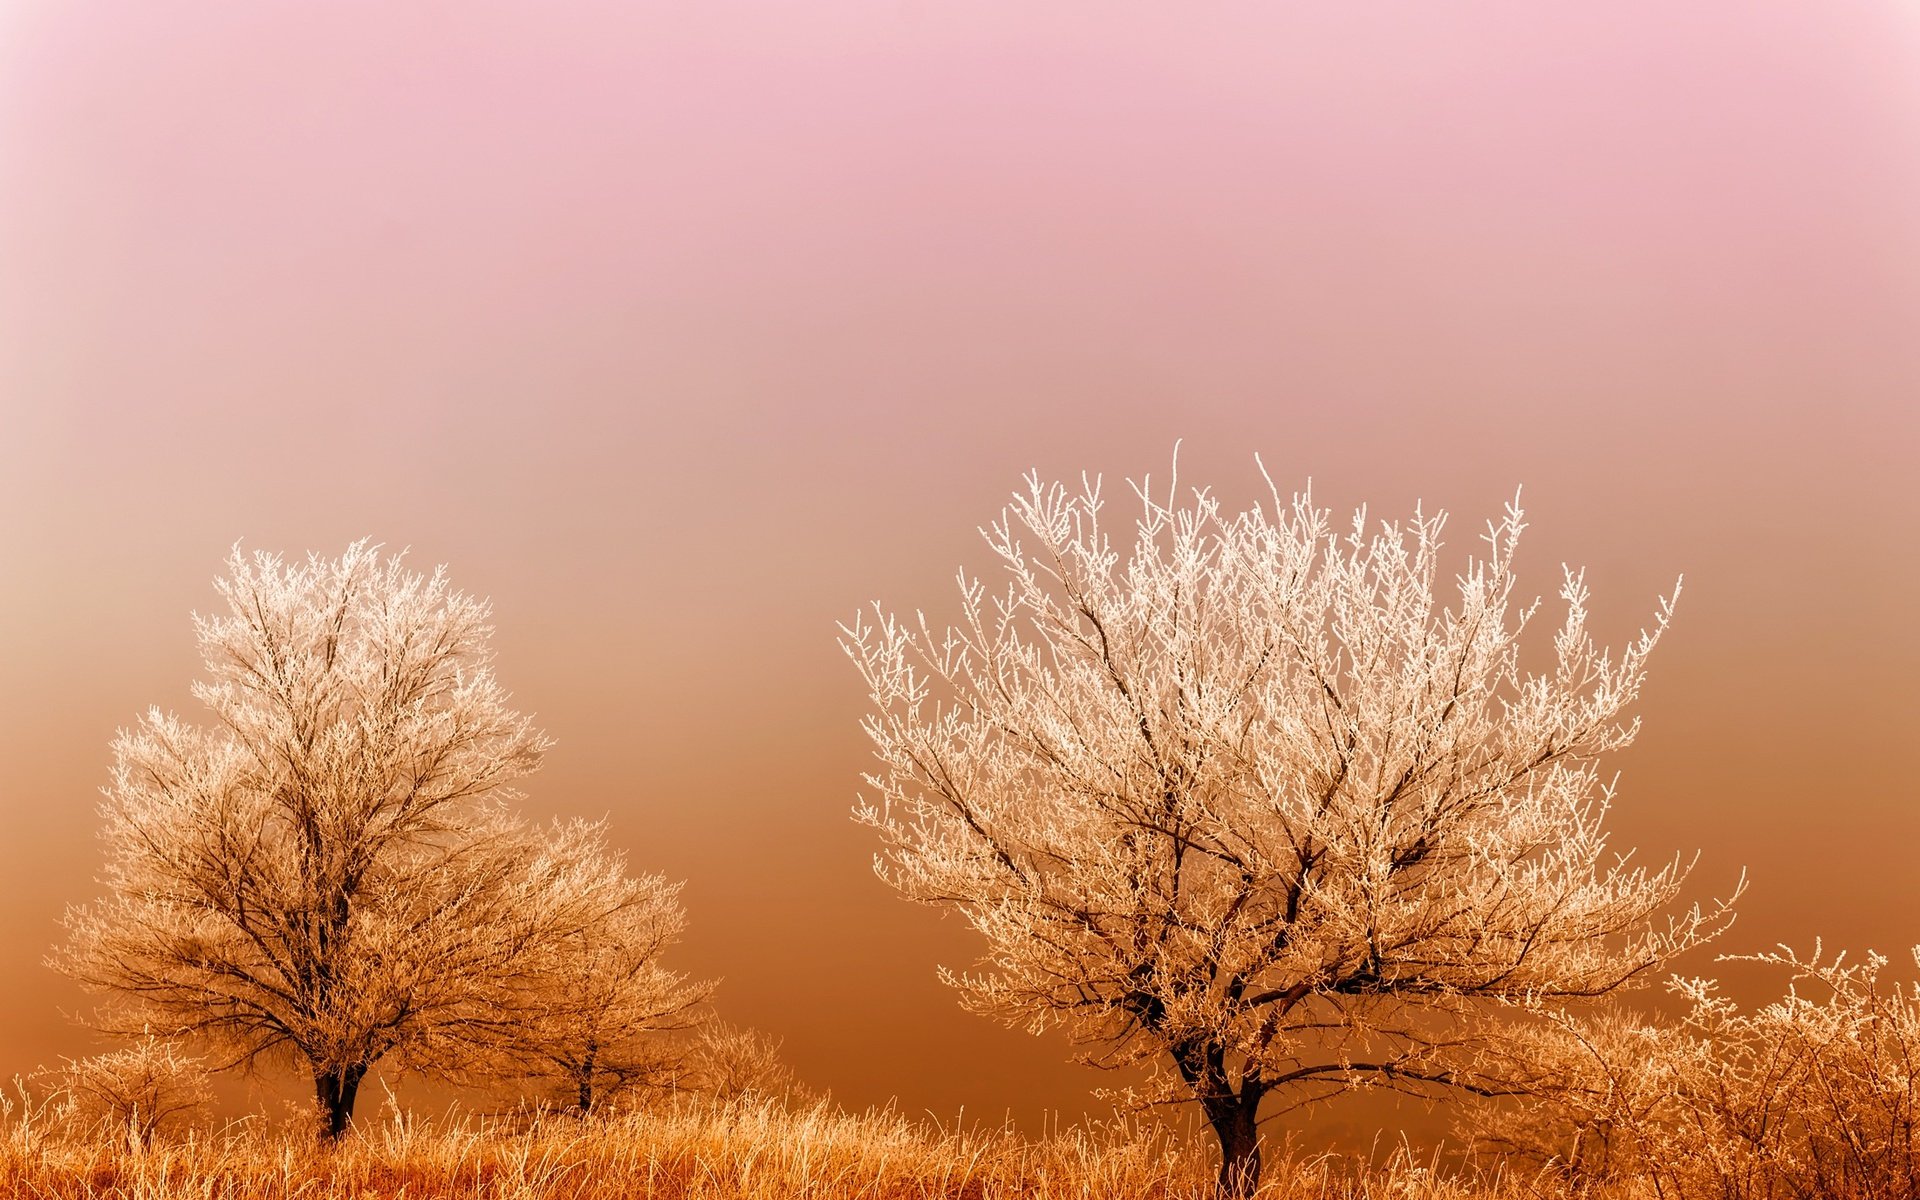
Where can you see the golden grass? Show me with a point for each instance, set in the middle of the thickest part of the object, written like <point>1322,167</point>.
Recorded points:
<point>737,1151</point>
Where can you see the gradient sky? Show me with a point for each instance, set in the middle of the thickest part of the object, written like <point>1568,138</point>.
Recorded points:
<point>681,329</point>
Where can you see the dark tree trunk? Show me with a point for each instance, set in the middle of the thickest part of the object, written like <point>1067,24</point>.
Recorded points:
<point>335,1090</point>
<point>1232,1113</point>
<point>585,1078</point>
<point>1234,1120</point>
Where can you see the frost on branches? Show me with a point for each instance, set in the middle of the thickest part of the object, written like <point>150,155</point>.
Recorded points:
<point>1269,805</point>
<point>324,870</point>
<point>132,1093</point>
<point>1816,1094</point>
<point>605,1009</point>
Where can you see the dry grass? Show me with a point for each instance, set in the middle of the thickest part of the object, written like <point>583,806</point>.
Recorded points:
<point>743,1150</point>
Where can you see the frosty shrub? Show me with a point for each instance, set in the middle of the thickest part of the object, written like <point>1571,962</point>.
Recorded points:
<point>1604,1099</point>
<point>1274,807</point>
<point>133,1093</point>
<point>727,1063</point>
<point>1814,1095</point>
<point>602,1011</point>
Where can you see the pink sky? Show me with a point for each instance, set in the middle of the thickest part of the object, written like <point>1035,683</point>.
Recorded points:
<point>682,329</point>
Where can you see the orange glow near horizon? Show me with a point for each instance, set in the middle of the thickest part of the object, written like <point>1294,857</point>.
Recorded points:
<point>682,330</point>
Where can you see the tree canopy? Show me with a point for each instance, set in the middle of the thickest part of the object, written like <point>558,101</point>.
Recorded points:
<point>1270,805</point>
<point>326,868</point>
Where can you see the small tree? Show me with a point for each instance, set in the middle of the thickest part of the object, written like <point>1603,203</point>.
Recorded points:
<point>137,1090</point>
<point>728,1062</point>
<point>601,1008</point>
<point>1250,800</point>
<point>325,870</point>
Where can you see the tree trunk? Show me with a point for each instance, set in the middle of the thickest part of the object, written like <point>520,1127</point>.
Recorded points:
<point>1232,1113</point>
<point>586,1078</point>
<point>1234,1122</point>
<point>335,1091</point>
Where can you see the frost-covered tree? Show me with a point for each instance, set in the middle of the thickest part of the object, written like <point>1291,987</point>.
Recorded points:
<point>324,870</point>
<point>729,1062</point>
<point>602,1009</point>
<point>1272,806</point>
<point>135,1091</point>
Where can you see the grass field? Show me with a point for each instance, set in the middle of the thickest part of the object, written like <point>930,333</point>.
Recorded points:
<point>749,1150</point>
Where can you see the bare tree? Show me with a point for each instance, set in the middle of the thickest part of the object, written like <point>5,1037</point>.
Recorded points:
<point>136,1091</point>
<point>602,1010</point>
<point>325,870</point>
<point>729,1062</point>
<point>1253,801</point>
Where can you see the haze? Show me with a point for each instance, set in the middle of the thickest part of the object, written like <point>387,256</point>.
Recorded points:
<point>681,330</point>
